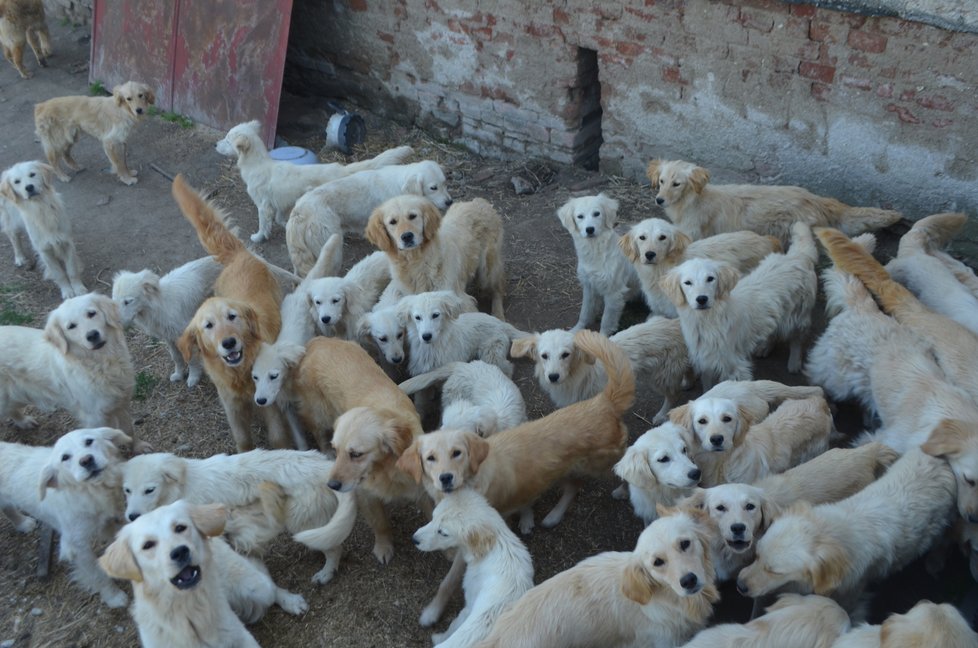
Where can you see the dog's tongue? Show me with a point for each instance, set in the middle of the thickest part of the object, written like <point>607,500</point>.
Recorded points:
<point>187,578</point>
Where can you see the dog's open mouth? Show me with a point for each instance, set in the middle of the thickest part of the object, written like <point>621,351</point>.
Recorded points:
<point>98,345</point>
<point>93,474</point>
<point>188,577</point>
<point>702,307</point>
<point>738,545</point>
<point>232,358</point>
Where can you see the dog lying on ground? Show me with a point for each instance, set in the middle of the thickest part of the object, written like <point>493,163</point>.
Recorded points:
<point>476,396</point>
<point>345,205</point>
<point>28,186</point>
<point>61,120</point>
<point>163,306</point>
<point>23,22</point>
<point>725,318</point>
<point>656,349</point>
<point>79,361</point>
<point>73,487</point>
<point>656,246</point>
<point>926,624</point>
<point>338,303</point>
<point>274,186</point>
<point>605,275</point>
<point>498,566</point>
<point>837,549</point>
<point>429,252</point>
<point>188,584</point>
<point>701,209</point>
<point>660,594</point>
<point>228,327</point>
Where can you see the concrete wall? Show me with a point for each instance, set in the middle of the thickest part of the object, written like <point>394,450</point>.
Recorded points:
<point>872,110</point>
<point>77,12</point>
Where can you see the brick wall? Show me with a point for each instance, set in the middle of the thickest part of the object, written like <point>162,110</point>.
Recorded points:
<point>873,110</point>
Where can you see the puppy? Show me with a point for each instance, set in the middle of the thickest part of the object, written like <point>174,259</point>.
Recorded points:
<point>73,487</point>
<point>605,275</point>
<point>658,469</point>
<point>926,624</point>
<point>12,225</point>
<point>226,330</point>
<point>79,361</point>
<point>344,205</point>
<point>755,399</point>
<point>837,549</point>
<point>656,246</point>
<point>656,349</point>
<point>724,318</point>
<point>658,595</point>
<point>23,21</point>
<point>274,186</point>
<point>794,620</point>
<point>338,303</point>
<point>476,396</point>
<point>388,330</point>
<point>273,374</point>
<point>61,120</point>
<point>298,316</point>
<point>498,566</point>
<point>956,442</point>
<point>162,307</point>
<point>428,252</point>
<point>701,209</point>
<point>28,186</point>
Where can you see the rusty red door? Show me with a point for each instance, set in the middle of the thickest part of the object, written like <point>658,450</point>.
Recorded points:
<point>218,62</point>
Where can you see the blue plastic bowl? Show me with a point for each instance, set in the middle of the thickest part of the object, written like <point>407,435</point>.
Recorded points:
<point>294,154</point>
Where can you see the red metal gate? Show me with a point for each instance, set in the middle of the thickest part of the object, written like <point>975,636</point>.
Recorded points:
<point>219,62</point>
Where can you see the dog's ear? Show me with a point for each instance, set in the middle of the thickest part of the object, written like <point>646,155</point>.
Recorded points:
<point>403,308</point>
<point>524,347</point>
<point>47,173</point>
<point>111,311</point>
<point>744,422</point>
<point>727,278</point>
<point>610,209</point>
<point>376,232</point>
<point>696,501</point>
<point>680,241</point>
<point>118,562</point>
<point>480,540</point>
<point>250,316</point>
<point>652,171</point>
<point>413,184</point>
<point>634,468</point>
<point>241,143</point>
<point>454,304</point>
<point>627,246</point>
<point>173,469</point>
<point>636,583</point>
<point>430,221</point>
<point>54,333</point>
<point>770,511</point>
<point>188,342</point>
<point>398,434</point>
<point>830,569</point>
<point>947,439</point>
<point>682,416</point>
<point>118,95</point>
<point>49,479</point>
<point>291,354</point>
<point>150,96</point>
<point>410,462</point>
<point>118,438</point>
<point>209,518</point>
<point>671,286</point>
<point>478,451</point>
<point>566,216</point>
<point>698,178</point>
<point>363,328</point>
<point>7,190</point>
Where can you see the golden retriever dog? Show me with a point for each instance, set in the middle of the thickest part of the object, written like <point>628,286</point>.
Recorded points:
<point>430,252</point>
<point>926,624</point>
<point>658,595</point>
<point>162,307</point>
<point>725,318</point>
<point>28,186</point>
<point>73,487</point>
<point>338,303</point>
<point>755,399</point>
<point>61,120</point>
<point>274,186</point>
<point>23,21</point>
<point>700,209</point>
<point>957,443</point>
<point>837,549</point>
<point>344,205</point>
<point>607,279</point>
<point>794,621</point>
<point>656,246</point>
<point>498,571</point>
<point>79,361</point>
<point>190,588</point>
<point>656,349</point>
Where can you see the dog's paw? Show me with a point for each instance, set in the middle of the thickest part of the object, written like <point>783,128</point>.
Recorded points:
<point>552,520</point>
<point>129,180</point>
<point>438,637</point>
<point>193,378</point>
<point>176,376</point>
<point>620,493</point>
<point>142,447</point>
<point>26,524</point>
<point>114,598</point>
<point>324,575</point>
<point>383,551</point>
<point>258,237</point>
<point>526,522</point>
<point>430,615</point>
<point>64,177</point>
<point>294,604</point>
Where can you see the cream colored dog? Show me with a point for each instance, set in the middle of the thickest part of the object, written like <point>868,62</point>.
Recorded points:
<point>338,303</point>
<point>656,246</point>
<point>702,209</point>
<point>926,624</point>
<point>61,120</point>
<point>28,186</point>
<point>23,21</point>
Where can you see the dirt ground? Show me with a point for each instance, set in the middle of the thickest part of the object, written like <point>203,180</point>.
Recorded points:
<point>118,227</point>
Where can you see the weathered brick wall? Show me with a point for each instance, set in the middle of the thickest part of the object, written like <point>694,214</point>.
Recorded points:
<point>874,110</point>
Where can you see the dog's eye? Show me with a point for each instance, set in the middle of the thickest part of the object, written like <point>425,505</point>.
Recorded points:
<point>564,355</point>
<point>683,545</point>
<point>16,181</point>
<point>721,508</point>
<point>91,314</point>
<point>127,301</point>
<point>399,335</point>
<point>392,221</point>
<point>433,187</point>
<point>128,98</point>
<point>335,300</point>
<point>596,214</point>
<point>750,507</point>
<point>675,184</point>
<point>412,216</point>
<point>709,280</point>
<point>435,315</point>
<point>662,237</point>
<point>417,318</point>
<point>687,283</point>
<point>208,325</point>
<point>701,421</point>
<point>65,457</point>
<point>456,454</point>
<point>382,339</point>
<point>664,459</point>
<point>232,317</point>
<point>254,377</point>
<point>726,418</point>
<point>273,376</point>
<point>180,528</point>
<point>318,302</point>
<point>684,449</point>
<point>642,237</point>
<point>140,96</point>
<point>127,491</point>
<point>355,455</point>
<point>149,491</point>
<point>88,442</point>
<point>969,482</point>
<point>545,356</point>
<point>658,562</point>
<point>71,325</point>
<point>32,174</point>
<point>149,544</point>
<point>430,458</point>
<point>580,217</point>
<point>442,533</point>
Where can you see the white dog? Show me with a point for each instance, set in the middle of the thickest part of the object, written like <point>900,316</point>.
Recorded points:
<point>273,374</point>
<point>163,306</point>
<point>658,469</point>
<point>73,487</point>
<point>28,185</point>
<point>388,330</point>
<point>12,225</point>
<point>80,362</point>
<point>339,302</point>
<point>656,246</point>
<point>926,624</point>
<point>344,205</point>
<point>274,186</point>
<point>498,568</point>
<point>298,316</point>
<point>477,396</point>
<point>725,318</point>
<point>605,274</point>
<point>656,349</point>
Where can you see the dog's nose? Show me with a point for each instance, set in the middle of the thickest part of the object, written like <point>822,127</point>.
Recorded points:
<point>659,201</point>
<point>407,237</point>
<point>689,581</point>
<point>180,555</point>
<point>261,401</point>
<point>738,529</point>
<point>87,461</point>
<point>694,474</point>
<point>229,342</point>
<point>133,516</point>
<point>335,484</point>
<point>448,203</point>
<point>93,336</point>
<point>29,188</point>
<point>554,377</point>
<point>139,111</point>
<point>742,587</point>
<point>446,479</point>
<point>589,230</point>
<point>397,360</point>
<point>415,540</point>
<point>426,337</point>
<point>702,299</point>
<point>716,440</point>
<point>650,255</point>
<point>326,319</point>
<point>972,518</point>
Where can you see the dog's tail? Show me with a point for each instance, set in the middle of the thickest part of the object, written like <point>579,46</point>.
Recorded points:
<point>775,243</point>
<point>334,532</point>
<point>387,158</point>
<point>934,231</point>
<point>620,389</point>
<point>842,290</point>
<point>856,220</point>
<point>803,243</point>
<point>211,224</point>
<point>885,457</point>
<point>428,379</point>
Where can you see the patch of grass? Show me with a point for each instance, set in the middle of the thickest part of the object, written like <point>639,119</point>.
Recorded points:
<point>97,89</point>
<point>172,117</point>
<point>10,312</point>
<point>145,382</point>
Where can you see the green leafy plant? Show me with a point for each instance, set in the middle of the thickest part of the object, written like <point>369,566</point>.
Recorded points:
<point>172,117</point>
<point>145,382</point>
<point>97,89</point>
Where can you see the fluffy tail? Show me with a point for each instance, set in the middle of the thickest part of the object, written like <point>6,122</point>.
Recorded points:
<point>775,243</point>
<point>336,530</point>
<point>885,457</point>
<point>934,231</point>
<point>803,243</point>
<point>856,220</point>
<point>428,379</point>
<point>842,290</point>
<point>620,389</point>
<point>388,157</point>
<point>209,221</point>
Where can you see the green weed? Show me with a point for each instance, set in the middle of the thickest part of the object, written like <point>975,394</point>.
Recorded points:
<point>97,89</point>
<point>10,312</point>
<point>145,382</point>
<point>174,118</point>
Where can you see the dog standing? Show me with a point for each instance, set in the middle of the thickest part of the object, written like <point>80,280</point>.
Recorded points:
<point>23,21</point>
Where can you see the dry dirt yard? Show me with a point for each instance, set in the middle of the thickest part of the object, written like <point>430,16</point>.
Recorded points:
<point>118,227</point>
